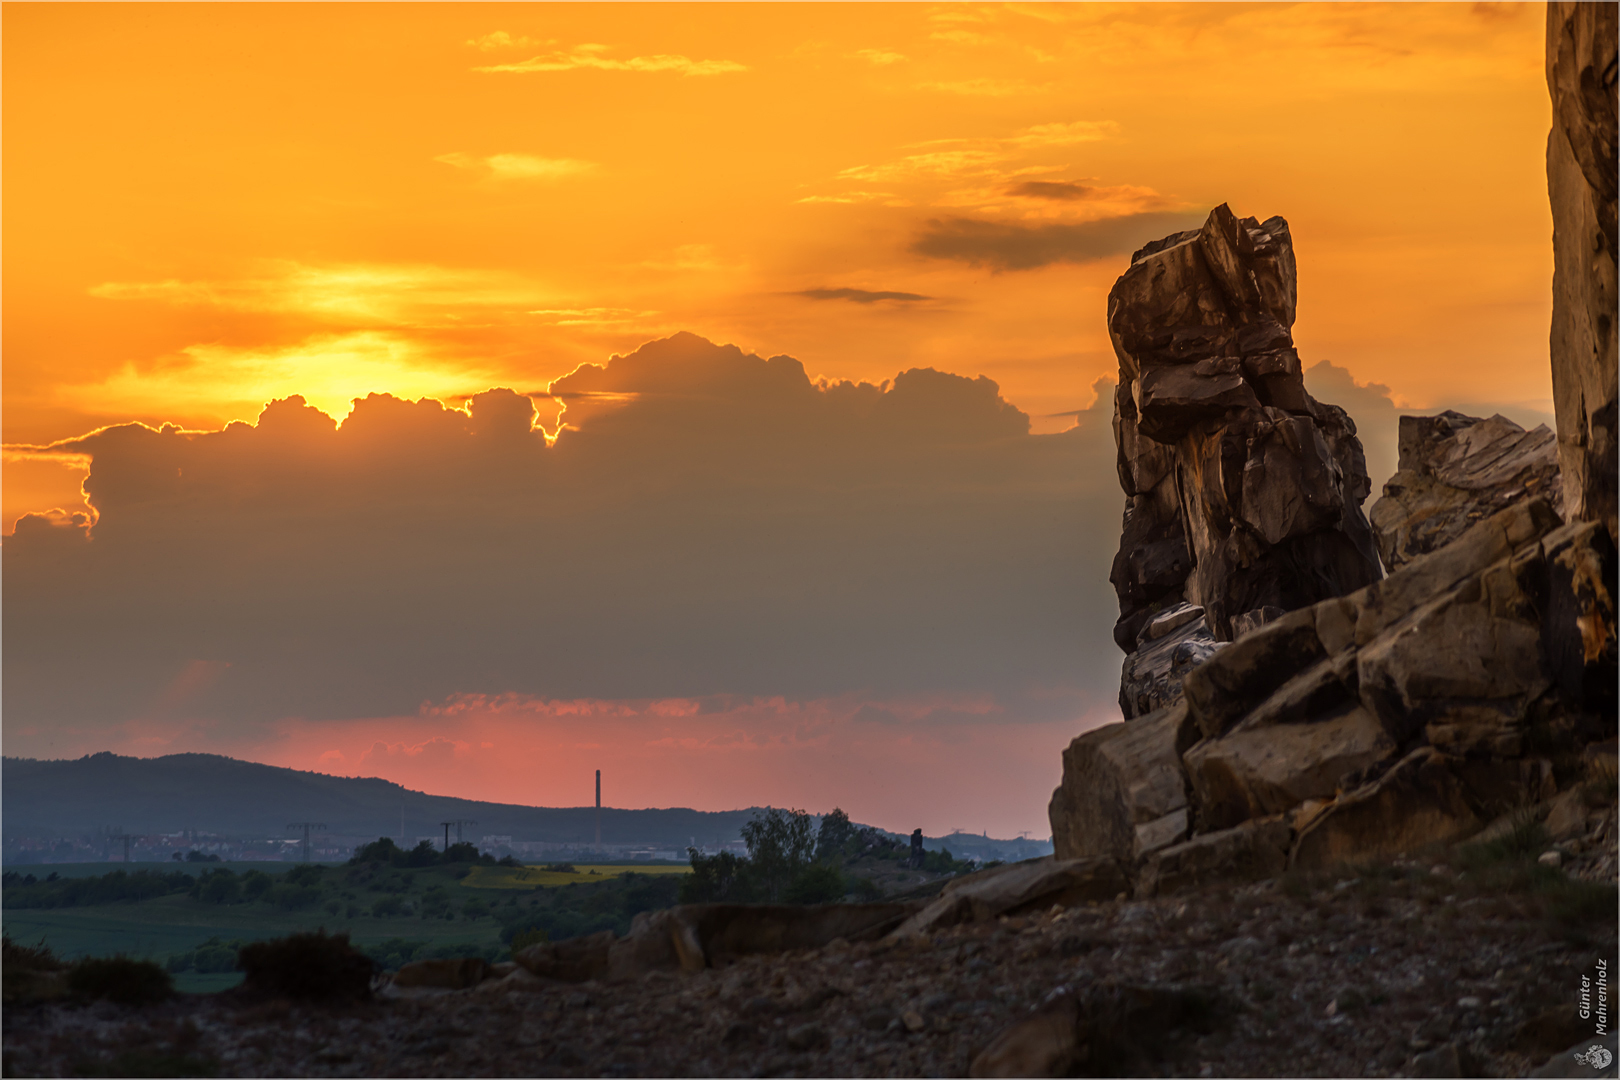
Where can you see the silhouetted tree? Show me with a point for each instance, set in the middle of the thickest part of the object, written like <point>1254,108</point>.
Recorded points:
<point>780,845</point>
<point>835,833</point>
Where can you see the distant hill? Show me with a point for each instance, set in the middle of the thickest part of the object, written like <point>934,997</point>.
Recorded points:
<point>214,794</point>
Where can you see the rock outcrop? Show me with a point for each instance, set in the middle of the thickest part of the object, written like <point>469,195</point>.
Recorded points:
<point>1243,492</point>
<point>1455,471</point>
<point>1581,184</point>
<point>1409,713</point>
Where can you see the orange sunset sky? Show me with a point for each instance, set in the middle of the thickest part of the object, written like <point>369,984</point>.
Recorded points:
<point>724,581</point>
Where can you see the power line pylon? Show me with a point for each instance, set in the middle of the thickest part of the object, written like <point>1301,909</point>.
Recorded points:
<point>307,826</point>
<point>458,823</point>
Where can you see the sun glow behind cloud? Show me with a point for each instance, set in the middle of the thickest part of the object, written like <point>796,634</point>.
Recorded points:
<point>327,370</point>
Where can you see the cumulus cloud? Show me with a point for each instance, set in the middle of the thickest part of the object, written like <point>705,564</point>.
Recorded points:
<point>1014,246</point>
<point>861,296</point>
<point>709,522</point>
<point>589,57</point>
<point>519,166</point>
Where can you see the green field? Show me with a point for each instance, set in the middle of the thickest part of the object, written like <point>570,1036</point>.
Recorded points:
<point>456,907</point>
<point>172,924</point>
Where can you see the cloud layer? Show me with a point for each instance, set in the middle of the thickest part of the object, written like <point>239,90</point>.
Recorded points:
<point>709,522</point>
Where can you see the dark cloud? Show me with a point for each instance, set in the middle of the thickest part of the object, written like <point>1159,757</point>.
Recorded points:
<point>861,296</point>
<point>1061,190</point>
<point>1011,246</point>
<point>714,523</point>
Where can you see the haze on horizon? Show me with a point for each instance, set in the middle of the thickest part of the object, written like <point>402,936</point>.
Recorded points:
<point>328,295</point>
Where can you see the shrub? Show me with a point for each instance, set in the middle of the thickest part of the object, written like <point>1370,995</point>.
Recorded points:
<point>387,907</point>
<point>312,967</point>
<point>816,885</point>
<point>120,979</point>
<point>721,878</point>
<point>1525,840</point>
<point>28,973</point>
<point>211,957</point>
<point>255,883</point>
<point>304,874</point>
<point>218,887</point>
<point>525,938</point>
<point>865,888</point>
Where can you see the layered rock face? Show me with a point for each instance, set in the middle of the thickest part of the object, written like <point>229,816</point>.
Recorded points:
<point>1243,492</point>
<point>1410,712</point>
<point>1455,471</point>
<point>1581,183</point>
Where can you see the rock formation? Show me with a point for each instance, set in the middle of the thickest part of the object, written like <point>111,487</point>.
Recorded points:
<point>1457,470</point>
<point>1411,712</point>
<point>1316,715</point>
<point>1581,183</point>
<point>1243,492</point>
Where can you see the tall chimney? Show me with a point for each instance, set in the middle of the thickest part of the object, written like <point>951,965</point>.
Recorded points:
<point>598,810</point>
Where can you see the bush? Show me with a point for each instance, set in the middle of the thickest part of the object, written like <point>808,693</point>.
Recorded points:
<point>715,879</point>
<point>120,979</point>
<point>28,973</point>
<point>524,939</point>
<point>865,888</point>
<point>387,907</point>
<point>212,957</point>
<point>310,967</point>
<point>255,883</point>
<point>304,874</point>
<point>816,885</point>
<point>218,887</point>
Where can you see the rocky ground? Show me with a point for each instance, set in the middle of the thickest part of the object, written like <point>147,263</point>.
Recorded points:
<point>1467,965</point>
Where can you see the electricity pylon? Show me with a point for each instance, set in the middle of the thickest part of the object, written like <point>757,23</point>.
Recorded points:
<point>306,826</point>
<point>458,823</point>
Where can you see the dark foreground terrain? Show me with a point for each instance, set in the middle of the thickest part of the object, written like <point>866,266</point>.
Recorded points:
<point>1470,964</point>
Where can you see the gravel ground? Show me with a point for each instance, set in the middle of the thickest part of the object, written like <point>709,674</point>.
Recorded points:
<point>1351,976</point>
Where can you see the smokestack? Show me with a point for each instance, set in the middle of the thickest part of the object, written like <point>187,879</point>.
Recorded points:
<point>598,810</point>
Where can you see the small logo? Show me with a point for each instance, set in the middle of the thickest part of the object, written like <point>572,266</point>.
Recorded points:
<point>1597,1055</point>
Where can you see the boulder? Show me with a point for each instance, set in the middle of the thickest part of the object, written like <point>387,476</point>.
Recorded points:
<point>1262,770</point>
<point>1581,186</point>
<point>691,937</point>
<point>450,974</point>
<point>1465,666</point>
<point>1455,471</point>
<point>1124,792</point>
<point>577,959</point>
<point>1416,803</point>
<point>1252,851</point>
<point>1033,885</point>
<point>1248,672</point>
<point>1244,492</point>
